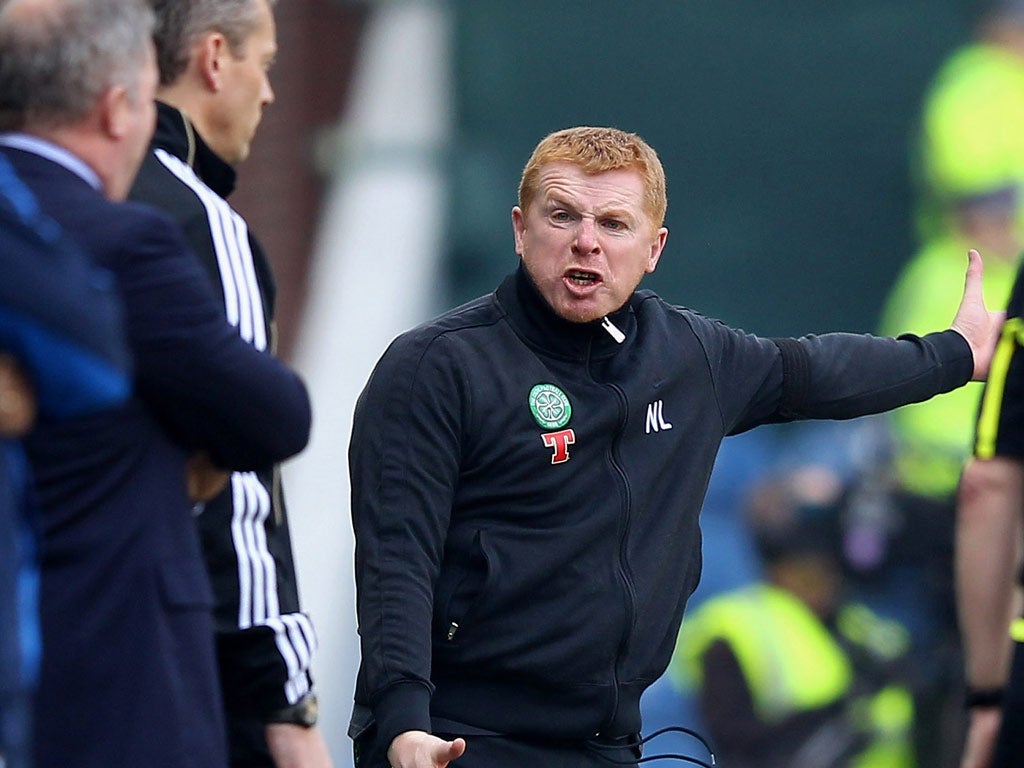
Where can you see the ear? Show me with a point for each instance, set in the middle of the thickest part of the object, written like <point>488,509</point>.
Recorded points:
<point>518,228</point>
<point>210,53</point>
<point>656,248</point>
<point>114,112</point>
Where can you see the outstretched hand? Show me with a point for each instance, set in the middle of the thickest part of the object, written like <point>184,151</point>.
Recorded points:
<point>419,749</point>
<point>978,325</point>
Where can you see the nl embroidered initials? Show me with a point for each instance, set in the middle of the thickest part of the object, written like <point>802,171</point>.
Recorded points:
<point>656,417</point>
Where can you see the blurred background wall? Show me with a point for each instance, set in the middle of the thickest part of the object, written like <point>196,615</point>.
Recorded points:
<point>382,179</point>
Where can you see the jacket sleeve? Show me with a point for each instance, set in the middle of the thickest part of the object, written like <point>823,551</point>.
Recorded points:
<point>266,667</point>
<point>67,334</point>
<point>206,386</point>
<point>265,643</point>
<point>404,463</point>
<point>842,376</point>
<point>828,376</point>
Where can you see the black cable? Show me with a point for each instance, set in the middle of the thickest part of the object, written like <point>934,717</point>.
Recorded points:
<point>629,742</point>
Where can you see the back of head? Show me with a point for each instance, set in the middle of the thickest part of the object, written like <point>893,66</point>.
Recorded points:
<point>596,150</point>
<point>796,514</point>
<point>180,23</point>
<point>794,518</point>
<point>997,18</point>
<point>58,56</point>
<point>1006,8</point>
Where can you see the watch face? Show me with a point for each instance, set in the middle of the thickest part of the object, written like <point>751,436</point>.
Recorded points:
<point>309,711</point>
<point>303,712</point>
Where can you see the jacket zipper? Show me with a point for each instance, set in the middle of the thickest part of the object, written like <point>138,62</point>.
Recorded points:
<point>629,597</point>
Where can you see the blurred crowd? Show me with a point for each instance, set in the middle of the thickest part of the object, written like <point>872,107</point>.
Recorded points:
<point>834,548</point>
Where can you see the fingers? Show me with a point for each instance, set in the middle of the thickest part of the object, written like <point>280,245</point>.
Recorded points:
<point>419,749</point>
<point>17,399</point>
<point>450,750</point>
<point>203,479</point>
<point>975,270</point>
<point>973,321</point>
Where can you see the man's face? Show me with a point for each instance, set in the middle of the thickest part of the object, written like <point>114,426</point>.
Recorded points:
<point>246,90</point>
<point>586,240</point>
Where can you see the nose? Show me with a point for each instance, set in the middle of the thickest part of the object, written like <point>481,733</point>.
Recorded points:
<point>586,237</point>
<point>268,91</point>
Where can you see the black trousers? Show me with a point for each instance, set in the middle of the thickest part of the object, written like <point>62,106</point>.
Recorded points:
<point>247,741</point>
<point>1010,745</point>
<point>508,752</point>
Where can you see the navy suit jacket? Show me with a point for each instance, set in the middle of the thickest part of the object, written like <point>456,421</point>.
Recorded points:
<point>128,675</point>
<point>66,335</point>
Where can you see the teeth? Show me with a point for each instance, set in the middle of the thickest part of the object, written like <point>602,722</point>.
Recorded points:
<point>582,278</point>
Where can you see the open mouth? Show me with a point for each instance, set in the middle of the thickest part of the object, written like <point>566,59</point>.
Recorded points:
<point>578,277</point>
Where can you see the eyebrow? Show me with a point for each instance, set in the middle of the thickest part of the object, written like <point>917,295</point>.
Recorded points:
<point>617,212</point>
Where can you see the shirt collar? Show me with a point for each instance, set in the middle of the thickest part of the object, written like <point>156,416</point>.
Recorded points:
<point>53,152</point>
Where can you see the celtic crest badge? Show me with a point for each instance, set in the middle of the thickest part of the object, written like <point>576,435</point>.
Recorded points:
<point>549,406</point>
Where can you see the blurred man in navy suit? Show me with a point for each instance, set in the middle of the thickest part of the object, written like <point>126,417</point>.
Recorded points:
<point>62,354</point>
<point>128,674</point>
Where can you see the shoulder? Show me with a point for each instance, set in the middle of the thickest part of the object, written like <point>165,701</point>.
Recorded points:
<point>653,311</point>
<point>129,224</point>
<point>167,182</point>
<point>102,225</point>
<point>437,348</point>
<point>477,315</point>
<point>129,235</point>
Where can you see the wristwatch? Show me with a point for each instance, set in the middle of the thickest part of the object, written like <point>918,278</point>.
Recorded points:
<point>983,697</point>
<point>303,712</point>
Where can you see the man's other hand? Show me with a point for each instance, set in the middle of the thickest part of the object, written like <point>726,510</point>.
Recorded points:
<point>419,749</point>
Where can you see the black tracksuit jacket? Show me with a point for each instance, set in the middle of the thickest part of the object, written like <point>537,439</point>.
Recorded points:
<point>264,641</point>
<point>534,585</point>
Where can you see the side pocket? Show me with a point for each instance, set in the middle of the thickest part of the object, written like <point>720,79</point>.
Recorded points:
<point>460,591</point>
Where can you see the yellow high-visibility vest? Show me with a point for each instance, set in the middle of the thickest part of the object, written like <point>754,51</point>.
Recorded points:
<point>793,664</point>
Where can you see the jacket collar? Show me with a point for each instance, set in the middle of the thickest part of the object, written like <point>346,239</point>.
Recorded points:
<point>176,134</point>
<point>39,147</point>
<point>537,323</point>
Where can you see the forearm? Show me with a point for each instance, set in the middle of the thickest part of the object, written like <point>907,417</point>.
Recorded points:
<point>209,389</point>
<point>295,746</point>
<point>241,406</point>
<point>988,544</point>
<point>848,375</point>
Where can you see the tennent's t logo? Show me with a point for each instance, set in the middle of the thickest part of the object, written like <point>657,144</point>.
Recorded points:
<point>560,442</point>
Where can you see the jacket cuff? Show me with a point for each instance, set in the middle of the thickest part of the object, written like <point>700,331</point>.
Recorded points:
<point>255,680</point>
<point>402,707</point>
<point>956,357</point>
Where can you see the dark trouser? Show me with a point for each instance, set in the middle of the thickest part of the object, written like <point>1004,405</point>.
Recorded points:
<point>508,752</point>
<point>1010,745</point>
<point>247,742</point>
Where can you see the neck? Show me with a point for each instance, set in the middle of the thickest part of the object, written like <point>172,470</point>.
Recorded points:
<point>90,149</point>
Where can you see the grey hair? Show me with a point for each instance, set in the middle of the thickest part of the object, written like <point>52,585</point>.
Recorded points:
<point>57,57</point>
<point>181,22</point>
